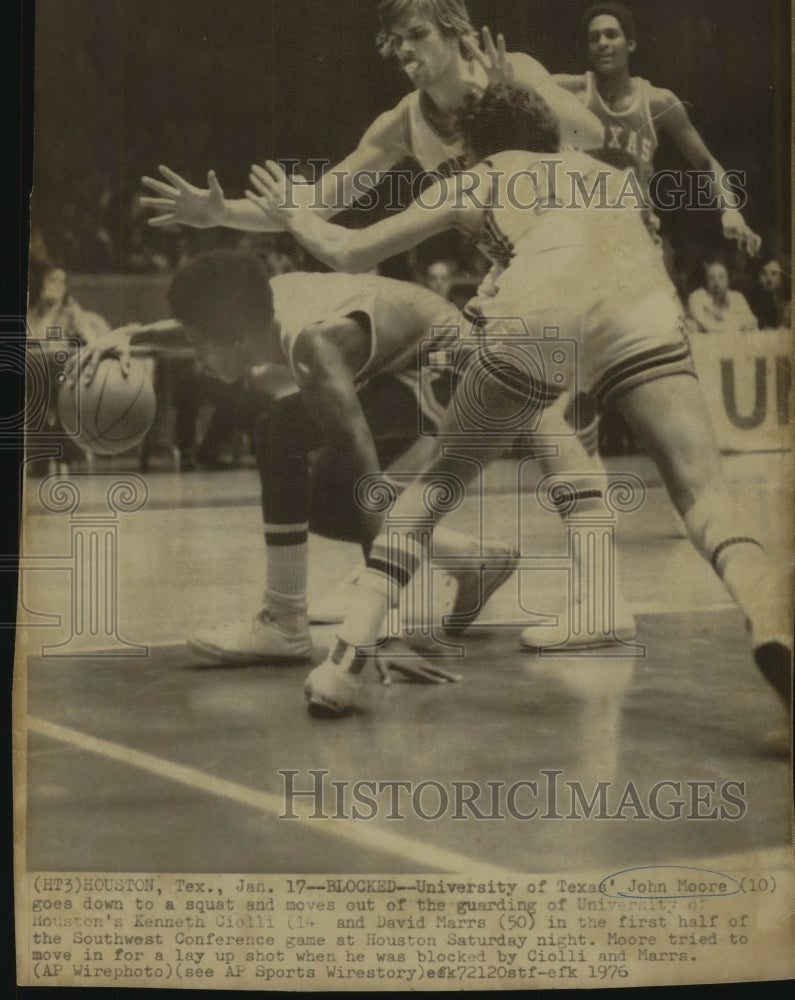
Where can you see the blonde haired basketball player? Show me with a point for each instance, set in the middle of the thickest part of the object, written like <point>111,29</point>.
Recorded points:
<point>435,45</point>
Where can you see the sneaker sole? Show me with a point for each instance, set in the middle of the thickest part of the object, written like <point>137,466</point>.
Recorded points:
<point>233,658</point>
<point>774,661</point>
<point>622,635</point>
<point>319,704</point>
<point>457,622</point>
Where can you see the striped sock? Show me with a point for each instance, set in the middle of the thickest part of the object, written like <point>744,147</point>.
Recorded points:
<point>286,573</point>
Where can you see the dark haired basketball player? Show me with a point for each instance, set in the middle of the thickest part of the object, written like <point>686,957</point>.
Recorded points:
<point>633,113</point>
<point>340,381</point>
<point>549,264</point>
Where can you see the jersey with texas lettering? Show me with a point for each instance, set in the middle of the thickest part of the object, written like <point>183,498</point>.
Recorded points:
<point>632,130</point>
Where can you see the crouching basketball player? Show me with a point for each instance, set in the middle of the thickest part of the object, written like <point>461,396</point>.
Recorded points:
<point>334,393</point>
<point>593,273</point>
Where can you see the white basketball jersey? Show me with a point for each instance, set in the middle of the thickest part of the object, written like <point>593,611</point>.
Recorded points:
<point>434,152</point>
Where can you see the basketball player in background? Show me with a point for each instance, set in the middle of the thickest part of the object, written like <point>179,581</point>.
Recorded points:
<point>333,389</point>
<point>633,113</point>
<point>549,262</point>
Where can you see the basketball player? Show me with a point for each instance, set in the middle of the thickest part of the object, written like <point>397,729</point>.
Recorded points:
<point>435,44</point>
<point>337,349</point>
<point>633,113</point>
<point>621,309</point>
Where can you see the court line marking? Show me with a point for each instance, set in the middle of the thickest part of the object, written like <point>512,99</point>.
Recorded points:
<point>418,853</point>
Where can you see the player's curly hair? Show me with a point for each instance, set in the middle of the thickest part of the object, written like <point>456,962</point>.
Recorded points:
<point>617,10</point>
<point>505,117</point>
<point>451,16</point>
<point>221,294</point>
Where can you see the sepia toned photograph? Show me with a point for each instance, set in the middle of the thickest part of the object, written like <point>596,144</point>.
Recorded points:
<point>405,590</point>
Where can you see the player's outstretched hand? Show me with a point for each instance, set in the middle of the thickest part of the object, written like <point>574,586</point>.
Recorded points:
<point>182,203</point>
<point>735,228</point>
<point>398,657</point>
<point>272,192</point>
<point>493,58</point>
<point>114,344</point>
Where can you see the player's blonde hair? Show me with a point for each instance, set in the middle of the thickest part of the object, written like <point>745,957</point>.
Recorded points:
<point>450,16</point>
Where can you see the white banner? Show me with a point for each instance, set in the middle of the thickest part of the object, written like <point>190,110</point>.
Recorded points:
<point>747,383</point>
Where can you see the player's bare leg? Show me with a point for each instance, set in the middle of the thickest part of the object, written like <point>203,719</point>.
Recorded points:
<point>280,629</point>
<point>669,417</point>
<point>587,477</point>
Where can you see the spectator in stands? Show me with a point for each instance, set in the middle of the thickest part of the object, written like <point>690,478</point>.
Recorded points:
<point>717,307</point>
<point>51,307</point>
<point>55,318</point>
<point>770,297</point>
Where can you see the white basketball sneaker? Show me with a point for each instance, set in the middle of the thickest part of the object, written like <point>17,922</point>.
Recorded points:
<point>331,688</point>
<point>466,592</point>
<point>476,585</point>
<point>583,628</point>
<point>265,639</point>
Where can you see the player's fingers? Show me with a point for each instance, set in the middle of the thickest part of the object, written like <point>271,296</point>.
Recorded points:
<point>475,52</point>
<point>423,673</point>
<point>261,178</point>
<point>72,370</point>
<point>383,672</point>
<point>213,184</point>
<point>266,183</point>
<point>179,182</point>
<point>261,192</point>
<point>488,46</point>
<point>276,171</point>
<point>155,185</point>
<point>414,674</point>
<point>501,53</point>
<point>263,202</point>
<point>163,220</point>
<point>88,370</point>
<point>125,361</point>
<point>256,184</point>
<point>445,676</point>
<point>157,202</point>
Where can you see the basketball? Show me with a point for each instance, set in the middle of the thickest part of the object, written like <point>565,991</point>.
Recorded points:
<point>113,413</point>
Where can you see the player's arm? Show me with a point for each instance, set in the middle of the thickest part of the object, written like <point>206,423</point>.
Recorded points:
<point>125,341</point>
<point>670,115</point>
<point>179,202</point>
<point>574,83</point>
<point>579,127</point>
<point>353,250</point>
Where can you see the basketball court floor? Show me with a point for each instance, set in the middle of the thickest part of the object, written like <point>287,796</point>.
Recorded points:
<point>160,760</point>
